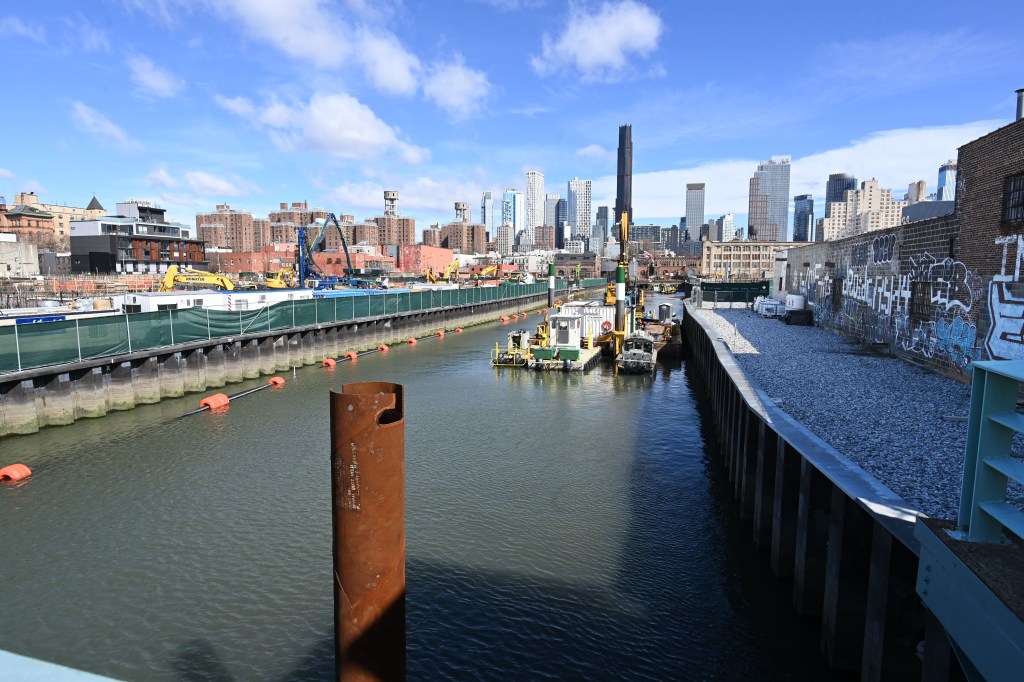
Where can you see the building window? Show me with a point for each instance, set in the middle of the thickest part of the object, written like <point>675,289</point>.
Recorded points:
<point>1013,201</point>
<point>920,300</point>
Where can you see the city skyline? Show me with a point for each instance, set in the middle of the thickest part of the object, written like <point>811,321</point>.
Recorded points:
<point>133,109</point>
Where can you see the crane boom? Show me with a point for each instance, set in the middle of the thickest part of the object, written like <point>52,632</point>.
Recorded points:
<point>308,266</point>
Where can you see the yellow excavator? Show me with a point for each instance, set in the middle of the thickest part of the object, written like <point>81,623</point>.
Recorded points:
<point>187,277</point>
<point>450,273</point>
<point>285,278</point>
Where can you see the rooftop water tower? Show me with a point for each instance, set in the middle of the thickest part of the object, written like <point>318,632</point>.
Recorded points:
<point>462,212</point>
<point>390,202</point>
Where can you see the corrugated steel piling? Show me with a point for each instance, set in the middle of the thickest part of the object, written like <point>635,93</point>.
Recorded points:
<point>368,487</point>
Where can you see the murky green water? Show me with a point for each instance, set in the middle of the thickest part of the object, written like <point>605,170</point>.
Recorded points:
<point>559,527</point>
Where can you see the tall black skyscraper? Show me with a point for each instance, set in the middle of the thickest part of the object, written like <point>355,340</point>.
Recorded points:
<point>624,185</point>
<point>836,187</point>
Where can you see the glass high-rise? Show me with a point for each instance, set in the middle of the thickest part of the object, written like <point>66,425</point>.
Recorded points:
<point>947,182</point>
<point>803,218</point>
<point>487,211</point>
<point>513,210</point>
<point>836,188</point>
<point>695,204</point>
<point>773,183</point>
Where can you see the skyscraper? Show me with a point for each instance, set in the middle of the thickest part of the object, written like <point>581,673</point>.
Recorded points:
<point>773,183</point>
<point>695,204</point>
<point>947,182</point>
<point>487,211</point>
<point>602,224</point>
<point>512,210</point>
<point>836,187</point>
<point>534,202</point>
<point>579,207</point>
<point>551,209</point>
<point>757,213</point>
<point>561,222</point>
<point>624,179</point>
<point>803,217</point>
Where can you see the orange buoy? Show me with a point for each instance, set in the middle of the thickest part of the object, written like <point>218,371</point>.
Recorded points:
<point>351,355</point>
<point>458,330</point>
<point>515,317</point>
<point>278,382</point>
<point>558,302</point>
<point>411,341</point>
<point>382,348</point>
<point>214,401</point>
<point>439,333</point>
<point>328,362</point>
<point>15,472</point>
<point>504,319</point>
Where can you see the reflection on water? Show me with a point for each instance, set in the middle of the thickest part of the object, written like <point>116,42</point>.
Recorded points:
<point>559,526</point>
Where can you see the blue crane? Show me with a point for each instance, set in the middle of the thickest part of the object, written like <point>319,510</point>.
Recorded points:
<point>309,270</point>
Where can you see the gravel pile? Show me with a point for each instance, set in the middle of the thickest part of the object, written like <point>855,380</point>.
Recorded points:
<point>881,412</point>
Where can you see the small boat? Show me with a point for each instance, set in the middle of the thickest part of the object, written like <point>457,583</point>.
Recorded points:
<point>516,351</point>
<point>638,354</point>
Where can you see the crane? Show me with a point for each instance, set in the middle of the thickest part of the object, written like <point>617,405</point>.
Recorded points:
<point>308,269</point>
<point>449,273</point>
<point>181,275</point>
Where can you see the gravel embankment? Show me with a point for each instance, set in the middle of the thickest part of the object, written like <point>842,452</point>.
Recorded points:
<point>881,412</point>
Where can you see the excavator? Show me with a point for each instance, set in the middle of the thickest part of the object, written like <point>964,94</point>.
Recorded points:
<point>450,273</point>
<point>284,278</point>
<point>181,276</point>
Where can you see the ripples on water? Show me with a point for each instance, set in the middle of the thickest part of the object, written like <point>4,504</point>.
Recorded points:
<point>558,527</point>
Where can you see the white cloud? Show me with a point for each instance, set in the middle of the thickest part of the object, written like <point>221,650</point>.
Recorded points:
<point>91,121</point>
<point>335,123</point>
<point>13,26</point>
<point>595,151</point>
<point>303,29</point>
<point>83,35</point>
<point>417,194</point>
<point>895,157</point>
<point>240,106</point>
<point>344,127</point>
<point>388,65</point>
<point>4,173</point>
<point>208,184</point>
<point>159,177</point>
<point>153,80</point>
<point>456,88</point>
<point>598,44</point>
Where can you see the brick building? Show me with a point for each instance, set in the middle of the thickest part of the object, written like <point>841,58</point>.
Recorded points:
<point>941,292</point>
<point>414,259</point>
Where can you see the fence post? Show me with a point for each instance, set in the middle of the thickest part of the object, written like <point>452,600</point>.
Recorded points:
<point>293,314</point>
<point>170,318</point>
<point>78,337</point>
<point>17,346</point>
<point>128,328</point>
<point>209,335</point>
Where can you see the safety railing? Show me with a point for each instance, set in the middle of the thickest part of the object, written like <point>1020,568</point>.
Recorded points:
<point>28,346</point>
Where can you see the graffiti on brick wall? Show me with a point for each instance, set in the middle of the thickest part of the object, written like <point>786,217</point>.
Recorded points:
<point>1005,338</point>
<point>878,307</point>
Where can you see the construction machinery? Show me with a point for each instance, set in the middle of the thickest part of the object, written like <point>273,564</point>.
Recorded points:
<point>489,271</point>
<point>311,274</point>
<point>449,274</point>
<point>285,278</point>
<point>180,276</point>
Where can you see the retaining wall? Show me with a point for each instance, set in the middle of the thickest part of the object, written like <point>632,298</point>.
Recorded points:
<point>841,540</point>
<point>62,394</point>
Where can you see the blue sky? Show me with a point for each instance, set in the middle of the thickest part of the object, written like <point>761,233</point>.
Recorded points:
<point>191,103</point>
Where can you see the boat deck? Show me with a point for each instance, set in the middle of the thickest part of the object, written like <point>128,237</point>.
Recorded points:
<point>589,357</point>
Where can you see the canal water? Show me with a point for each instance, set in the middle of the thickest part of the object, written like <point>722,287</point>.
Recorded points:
<point>562,527</point>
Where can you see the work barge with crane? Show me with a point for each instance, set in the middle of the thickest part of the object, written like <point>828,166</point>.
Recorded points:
<point>575,335</point>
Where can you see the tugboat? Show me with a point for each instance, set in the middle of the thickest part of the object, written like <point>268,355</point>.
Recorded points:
<point>638,354</point>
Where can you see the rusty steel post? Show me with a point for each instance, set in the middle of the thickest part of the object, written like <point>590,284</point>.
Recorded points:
<point>368,486</point>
